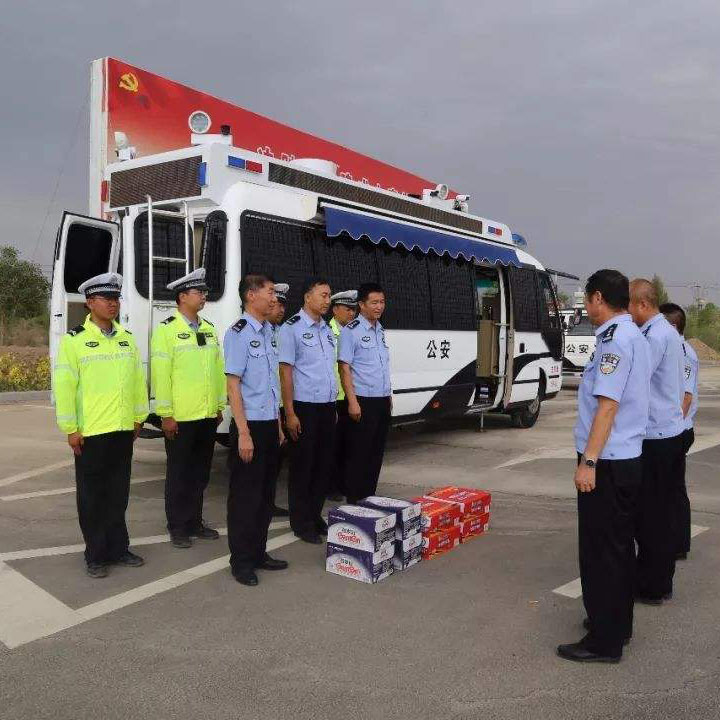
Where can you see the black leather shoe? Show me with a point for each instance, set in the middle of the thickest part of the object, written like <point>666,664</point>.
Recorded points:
<point>246,577</point>
<point>130,560</point>
<point>205,533</point>
<point>579,653</point>
<point>279,512</point>
<point>586,625</point>
<point>270,563</point>
<point>335,497</point>
<point>180,541</point>
<point>647,600</point>
<point>321,527</point>
<point>310,537</point>
<point>96,570</point>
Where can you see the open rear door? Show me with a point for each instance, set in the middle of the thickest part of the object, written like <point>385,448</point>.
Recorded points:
<point>84,247</point>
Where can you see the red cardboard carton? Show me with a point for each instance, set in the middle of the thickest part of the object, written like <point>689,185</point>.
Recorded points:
<point>435,514</point>
<point>473,525</point>
<point>440,541</point>
<point>471,501</point>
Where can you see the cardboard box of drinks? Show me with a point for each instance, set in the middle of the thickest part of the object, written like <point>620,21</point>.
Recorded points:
<point>362,528</point>
<point>470,501</point>
<point>407,513</point>
<point>360,565</point>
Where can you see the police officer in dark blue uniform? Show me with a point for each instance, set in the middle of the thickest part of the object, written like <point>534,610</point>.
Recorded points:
<point>251,367</point>
<point>309,392</point>
<point>612,417</point>
<point>663,452</point>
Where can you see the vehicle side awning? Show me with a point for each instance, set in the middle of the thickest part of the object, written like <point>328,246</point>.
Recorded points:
<point>425,239</point>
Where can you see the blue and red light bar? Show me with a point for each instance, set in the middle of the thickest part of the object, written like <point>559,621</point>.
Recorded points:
<point>243,164</point>
<point>494,230</point>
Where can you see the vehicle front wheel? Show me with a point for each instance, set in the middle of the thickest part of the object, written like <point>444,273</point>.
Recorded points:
<point>528,416</point>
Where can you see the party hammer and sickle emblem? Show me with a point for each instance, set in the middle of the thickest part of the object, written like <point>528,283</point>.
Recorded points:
<point>129,82</point>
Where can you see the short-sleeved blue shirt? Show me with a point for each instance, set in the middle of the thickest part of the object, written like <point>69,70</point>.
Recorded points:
<point>309,347</point>
<point>364,348</point>
<point>692,369</point>
<point>667,378</point>
<point>619,369</point>
<point>251,353</point>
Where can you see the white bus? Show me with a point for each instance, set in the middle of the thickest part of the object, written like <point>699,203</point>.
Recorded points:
<point>472,319</point>
<point>579,338</point>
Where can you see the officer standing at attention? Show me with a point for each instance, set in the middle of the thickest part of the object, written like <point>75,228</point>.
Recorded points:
<point>675,315</point>
<point>612,416</point>
<point>101,403</point>
<point>309,391</point>
<point>344,310</point>
<point>662,450</point>
<point>364,362</point>
<point>188,385</point>
<point>278,315</point>
<point>251,367</point>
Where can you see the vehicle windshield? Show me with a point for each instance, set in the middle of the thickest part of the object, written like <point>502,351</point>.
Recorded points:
<point>584,327</point>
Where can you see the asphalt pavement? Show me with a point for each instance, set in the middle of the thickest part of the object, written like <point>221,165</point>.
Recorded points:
<point>471,634</point>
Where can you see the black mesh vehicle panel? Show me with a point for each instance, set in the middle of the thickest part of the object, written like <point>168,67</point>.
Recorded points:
<point>212,253</point>
<point>451,293</point>
<point>403,275</point>
<point>168,241</point>
<point>346,263</point>
<point>526,314</point>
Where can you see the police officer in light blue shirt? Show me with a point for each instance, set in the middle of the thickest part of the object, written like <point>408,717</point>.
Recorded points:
<point>613,407</point>
<point>364,365</point>
<point>676,317</point>
<point>662,449</point>
<point>309,391</point>
<point>251,367</point>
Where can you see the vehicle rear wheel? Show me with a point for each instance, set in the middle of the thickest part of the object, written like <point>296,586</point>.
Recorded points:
<point>527,416</point>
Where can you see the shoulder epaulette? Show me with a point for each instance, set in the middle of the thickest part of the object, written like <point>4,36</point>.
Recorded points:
<point>76,330</point>
<point>292,320</point>
<point>127,331</point>
<point>167,321</point>
<point>353,324</point>
<point>239,325</point>
<point>684,350</point>
<point>207,321</point>
<point>609,333</point>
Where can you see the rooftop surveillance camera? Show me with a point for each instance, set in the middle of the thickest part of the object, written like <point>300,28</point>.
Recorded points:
<point>199,122</point>
<point>224,129</point>
<point>121,140</point>
<point>441,191</point>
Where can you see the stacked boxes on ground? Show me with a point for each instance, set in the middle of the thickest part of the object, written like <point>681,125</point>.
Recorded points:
<point>408,538</point>
<point>361,543</point>
<point>452,515</point>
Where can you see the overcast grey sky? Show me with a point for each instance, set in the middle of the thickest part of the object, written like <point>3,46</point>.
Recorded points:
<point>590,126</point>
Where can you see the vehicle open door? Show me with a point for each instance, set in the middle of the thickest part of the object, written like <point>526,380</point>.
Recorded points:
<point>84,247</point>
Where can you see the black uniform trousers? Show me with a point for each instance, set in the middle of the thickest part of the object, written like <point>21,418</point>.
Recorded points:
<point>189,458</point>
<point>606,519</point>
<point>682,501</point>
<point>336,481</point>
<point>249,504</point>
<point>102,476</point>
<point>282,456</point>
<point>662,474</point>
<point>366,447</point>
<point>311,458</point>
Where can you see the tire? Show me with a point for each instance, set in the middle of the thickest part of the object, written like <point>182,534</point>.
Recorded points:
<point>528,416</point>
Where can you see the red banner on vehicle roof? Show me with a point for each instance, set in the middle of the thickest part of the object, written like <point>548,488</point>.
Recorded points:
<point>153,113</point>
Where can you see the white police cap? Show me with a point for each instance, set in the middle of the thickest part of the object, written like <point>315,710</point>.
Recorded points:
<point>104,284</point>
<point>281,291</point>
<point>193,280</point>
<point>346,297</point>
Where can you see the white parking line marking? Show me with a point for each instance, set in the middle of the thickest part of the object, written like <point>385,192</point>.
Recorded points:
<point>136,542</point>
<point>573,589</point>
<point>33,473</point>
<point>67,490</point>
<point>27,612</point>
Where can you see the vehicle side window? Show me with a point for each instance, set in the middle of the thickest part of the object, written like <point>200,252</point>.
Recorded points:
<point>169,251</point>
<point>524,298</point>
<point>404,276</point>
<point>212,253</point>
<point>451,292</point>
<point>87,253</point>
<point>549,313</point>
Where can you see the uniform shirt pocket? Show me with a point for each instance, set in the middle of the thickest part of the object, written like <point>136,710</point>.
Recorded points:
<point>309,339</point>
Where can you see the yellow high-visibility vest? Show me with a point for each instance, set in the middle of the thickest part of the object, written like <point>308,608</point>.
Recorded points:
<point>335,327</point>
<point>98,381</point>
<point>187,378</point>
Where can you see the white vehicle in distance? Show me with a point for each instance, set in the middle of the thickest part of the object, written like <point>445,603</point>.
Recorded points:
<point>579,341</point>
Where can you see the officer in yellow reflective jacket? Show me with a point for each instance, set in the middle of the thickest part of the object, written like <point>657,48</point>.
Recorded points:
<point>101,403</point>
<point>344,310</point>
<point>189,389</point>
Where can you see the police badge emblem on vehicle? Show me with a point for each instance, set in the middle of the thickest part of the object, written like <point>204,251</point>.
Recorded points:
<point>609,363</point>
